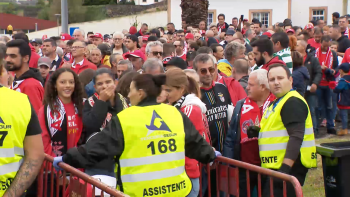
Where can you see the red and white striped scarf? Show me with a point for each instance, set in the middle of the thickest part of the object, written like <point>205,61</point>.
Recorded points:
<point>346,33</point>
<point>329,57</point>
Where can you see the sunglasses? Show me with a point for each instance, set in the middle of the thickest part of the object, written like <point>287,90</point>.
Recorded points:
<point>205,70</point>
<point>155,53</point>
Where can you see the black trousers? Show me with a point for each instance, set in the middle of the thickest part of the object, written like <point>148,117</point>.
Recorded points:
<point>253,180</point>
<point>298,170</point>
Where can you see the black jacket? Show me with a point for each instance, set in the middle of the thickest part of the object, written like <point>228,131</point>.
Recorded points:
<point>313,66</point>
<point>344,43</point>
<point>110,143</point>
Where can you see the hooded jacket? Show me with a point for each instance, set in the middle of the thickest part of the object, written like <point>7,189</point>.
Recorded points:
<point>244,82</point>
<point>274,60</point>
<point>301,78</point>
<point>225,67</point>
<point>125,50</point>
<point>343,92</point>
<point>195,110</point>
<point>234,88</point>
<point>31,84</point>
<point>34,57</point>
<point>313,66</point>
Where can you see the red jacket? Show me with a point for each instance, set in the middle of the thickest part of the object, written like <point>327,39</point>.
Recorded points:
<point>346,58</point>
<point>274,60</point>
<point>195,110</point>
<point>34,57</point>
<point>31,84</point>
<point>234,88</point>
<point>86,65</point>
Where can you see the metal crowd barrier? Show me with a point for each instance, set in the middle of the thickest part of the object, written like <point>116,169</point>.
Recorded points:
<point>227,178</point>
<point>69,182</point>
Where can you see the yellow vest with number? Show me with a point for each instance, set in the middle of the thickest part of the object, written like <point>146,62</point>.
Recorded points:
<point>153,160</point>
<point>273,137</point>
<point>15,114</point>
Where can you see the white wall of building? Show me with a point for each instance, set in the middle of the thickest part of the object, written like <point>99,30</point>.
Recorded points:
<point>109,26</point>
<point>146,2</point>
<point>235,8</point>
<point>300,10</point>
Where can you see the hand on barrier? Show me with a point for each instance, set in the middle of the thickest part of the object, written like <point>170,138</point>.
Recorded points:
<point>57,160</point>
<point>217,153</point>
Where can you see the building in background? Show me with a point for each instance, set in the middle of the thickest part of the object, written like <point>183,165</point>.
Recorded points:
<point>268,12</point>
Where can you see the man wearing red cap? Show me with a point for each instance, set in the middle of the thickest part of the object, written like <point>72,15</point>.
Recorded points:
<point>310,29</point>
<point>97,39</point>
<point>189,37</point>
<point>137,59</point>
<point>144,43</point>
<point>79,63</point>
<point>65,37</point>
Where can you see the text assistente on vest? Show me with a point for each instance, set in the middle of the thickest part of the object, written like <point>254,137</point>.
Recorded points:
<point>21,147</point>
<point>286,138</point>
<point>151,162</point>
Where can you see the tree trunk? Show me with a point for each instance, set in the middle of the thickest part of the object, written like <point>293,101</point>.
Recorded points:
<point>194,11</point>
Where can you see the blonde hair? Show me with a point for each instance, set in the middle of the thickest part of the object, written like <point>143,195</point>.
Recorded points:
<point>178,78</point>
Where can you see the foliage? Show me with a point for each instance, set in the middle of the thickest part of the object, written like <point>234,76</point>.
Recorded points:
<point>44,13</point>
<point>105,2</point>
<point>194,11</point>
<point>135,23</point>
<point>40,3</point>
<point>76,12</point>
<point>95,13</point>
<point>10,8</point>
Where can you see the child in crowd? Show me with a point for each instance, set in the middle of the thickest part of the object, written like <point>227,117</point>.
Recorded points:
<point>343,97</point>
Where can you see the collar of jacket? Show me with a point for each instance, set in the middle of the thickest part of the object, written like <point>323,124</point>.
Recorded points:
<point>148,101</point>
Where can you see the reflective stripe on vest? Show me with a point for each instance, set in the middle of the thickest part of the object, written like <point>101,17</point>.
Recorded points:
<point>11,152</point>
<point>153,158</point>
<point>10,167</point>
<point>15,115</point>
<point>273,137</point>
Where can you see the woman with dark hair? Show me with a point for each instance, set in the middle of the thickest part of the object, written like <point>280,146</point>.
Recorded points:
<point>106,54</point>
<point>4,75</point>
<point>150,151</point>
<point>123,86</point>
<point>60,116</point>
<point>184,94</point>
<point>300,73</point>
<point>98,111</point>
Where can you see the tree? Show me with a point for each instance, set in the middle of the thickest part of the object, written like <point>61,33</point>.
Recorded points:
<point>40,3</point>
<point>194,11</point>
<point>76,10</point>
<point>10,9</point>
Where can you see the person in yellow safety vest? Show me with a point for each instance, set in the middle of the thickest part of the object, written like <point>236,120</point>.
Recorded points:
<point>150,142</point>
<point>286,138</point>
<point>21,147</point>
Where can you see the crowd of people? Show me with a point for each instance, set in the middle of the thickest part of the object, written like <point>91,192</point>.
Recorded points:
<point>146,106</point>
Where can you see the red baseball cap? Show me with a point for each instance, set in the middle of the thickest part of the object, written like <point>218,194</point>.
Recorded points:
<point>189,36</point>
<point>65,37</point>
<point>145,38</point>
<point>44,37</point>
<point>97,35</point>
<point>309,26</point>
<point>268,34</point>
<point>137,53</point>
<point>290,31</point>
<point>202,32</point>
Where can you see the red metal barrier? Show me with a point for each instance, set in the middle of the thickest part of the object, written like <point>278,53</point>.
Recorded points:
<point>78,184</point>
<point>227,178</point>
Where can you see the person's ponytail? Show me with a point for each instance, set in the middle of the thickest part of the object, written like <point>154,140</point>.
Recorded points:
<point>193,87</point>
<point>159,80</point>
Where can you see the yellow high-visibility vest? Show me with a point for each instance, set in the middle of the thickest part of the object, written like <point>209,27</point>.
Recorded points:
<point>153,160</point>
<point>15,114</point>
<point>273,137</point>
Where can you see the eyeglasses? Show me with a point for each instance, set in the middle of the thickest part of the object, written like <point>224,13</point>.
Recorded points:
<point>204,71</point>
<point>155,53</point>
<point>117,39</point>
<point>76,47</point>
<point>180,36</point>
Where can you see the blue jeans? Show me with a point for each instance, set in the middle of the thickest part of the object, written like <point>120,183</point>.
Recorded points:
<point>195,188</point>
<point>311,100</point>
<point>344,118</point>
<point>325,107</point>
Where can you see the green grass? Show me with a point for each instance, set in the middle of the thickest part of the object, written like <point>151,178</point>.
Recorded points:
<point>314,186</point>
<point>4,3</point>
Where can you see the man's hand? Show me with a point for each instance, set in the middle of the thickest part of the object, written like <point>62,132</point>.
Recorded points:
<point>67,65</point>
<point>107,93</point>
<point>313,88</point>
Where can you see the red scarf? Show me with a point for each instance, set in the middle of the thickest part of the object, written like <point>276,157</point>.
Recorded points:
<point>251,115</point>
<point>74,123</point>
<point>221,27</point>
<point>141,32</point>
<point>329,57</point>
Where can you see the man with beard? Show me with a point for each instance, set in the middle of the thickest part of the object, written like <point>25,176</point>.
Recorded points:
<point>28,81</point>
<point>263,51</point>
<point>316,40</point>
<point>49,50</point>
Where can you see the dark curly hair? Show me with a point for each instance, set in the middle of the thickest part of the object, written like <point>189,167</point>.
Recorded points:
<point>51,94</point>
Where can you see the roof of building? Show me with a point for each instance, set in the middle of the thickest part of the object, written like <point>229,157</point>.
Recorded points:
<point>24,23</point>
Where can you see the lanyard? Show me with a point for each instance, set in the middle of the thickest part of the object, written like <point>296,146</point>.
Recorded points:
<point>278,100</point>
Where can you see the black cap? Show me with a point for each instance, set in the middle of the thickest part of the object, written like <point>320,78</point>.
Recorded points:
<point>344,67</point>
<point>152,38</point>
<point>178,62</point>
<point>106,36</point>
<point>36,40</point>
